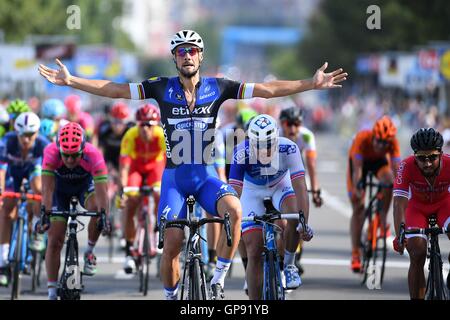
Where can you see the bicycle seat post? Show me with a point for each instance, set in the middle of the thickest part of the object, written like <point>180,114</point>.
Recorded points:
<point>432,220</point>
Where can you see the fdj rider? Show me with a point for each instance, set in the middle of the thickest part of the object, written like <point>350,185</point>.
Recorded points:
<point>142,161</point>
<point>72,167</point>
<point>21,155</point>
<point>266,165</point>
<point>189,105</point>
<point>375,150</point>
<point>421,189</point>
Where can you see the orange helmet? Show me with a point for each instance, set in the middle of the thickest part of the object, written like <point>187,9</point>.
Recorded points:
<point>384,129</point>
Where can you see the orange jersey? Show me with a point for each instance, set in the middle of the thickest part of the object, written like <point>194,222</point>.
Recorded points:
<point>362,148</point>
<point>142,154</point>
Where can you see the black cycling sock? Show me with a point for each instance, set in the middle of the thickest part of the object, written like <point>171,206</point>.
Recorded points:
<point>128,247</point>
<point>244,262</point>
<point>281,262</point>
<point>212,254</point>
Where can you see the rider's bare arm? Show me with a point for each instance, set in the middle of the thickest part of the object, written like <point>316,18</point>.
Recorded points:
<point>281,88</point>
<point>48,187</point>
<point>301,194</point>
<point>400,204</point>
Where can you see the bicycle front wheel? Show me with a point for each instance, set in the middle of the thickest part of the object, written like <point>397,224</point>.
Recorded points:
<point>272,278</point>
<point>146,258</point>
<point>194,292</point>
<point>436,288</point>
<point>18,232</point>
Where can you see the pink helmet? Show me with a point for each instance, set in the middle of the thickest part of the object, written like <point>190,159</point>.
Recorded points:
<point>120,111</point>
<point>73,104</point>
<point>71,138</point>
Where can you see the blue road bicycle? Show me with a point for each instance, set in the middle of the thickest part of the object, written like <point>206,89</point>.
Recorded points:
<point>20,256</point>
<point>272,285</point>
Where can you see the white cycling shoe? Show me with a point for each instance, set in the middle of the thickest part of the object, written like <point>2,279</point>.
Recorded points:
<point>293,280</point>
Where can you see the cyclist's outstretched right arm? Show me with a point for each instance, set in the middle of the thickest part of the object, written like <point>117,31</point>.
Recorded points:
<point>105,88</point>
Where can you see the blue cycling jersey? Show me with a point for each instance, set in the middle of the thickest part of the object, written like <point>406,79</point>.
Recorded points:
<point>189,139</point>
<point>16,165</point>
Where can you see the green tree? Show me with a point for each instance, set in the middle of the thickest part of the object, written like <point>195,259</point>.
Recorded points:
<point>338,31</point>
<point>20,18</point>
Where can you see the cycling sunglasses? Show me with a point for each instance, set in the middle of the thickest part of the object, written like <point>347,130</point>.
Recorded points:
<point>382,142</point>
<point>429,157</point>
<point>145,124</point>
<point>181,52</point>
<point>71,155</point>
<point>28,134</point>
<point>291,123</point>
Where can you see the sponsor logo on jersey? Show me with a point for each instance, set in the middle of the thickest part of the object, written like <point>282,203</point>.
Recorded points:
<point>286,148</point>
<point>207,95</point>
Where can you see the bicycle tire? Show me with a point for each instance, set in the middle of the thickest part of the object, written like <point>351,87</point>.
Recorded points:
<point>194,280</point>
<point>34,270</point>
<point>437,290</point>
<point>72,259</point>
<point>383,252</point>
<point>17,260</point>
<point>146,256</point>
<point>39,272</point>
<point>271,280</point>
<point>366,248</point>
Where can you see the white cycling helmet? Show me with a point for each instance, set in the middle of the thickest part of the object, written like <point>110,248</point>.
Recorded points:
<point>186,37</point>
<point>27,122</point>
<point>263,131</point>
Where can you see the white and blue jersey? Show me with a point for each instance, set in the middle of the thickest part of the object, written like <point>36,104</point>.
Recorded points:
<point>16,166</point>
<point>259,181</point>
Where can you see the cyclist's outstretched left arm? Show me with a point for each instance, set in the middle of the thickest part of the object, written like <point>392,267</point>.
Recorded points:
<point>281,88</point>
<point>105,88</point>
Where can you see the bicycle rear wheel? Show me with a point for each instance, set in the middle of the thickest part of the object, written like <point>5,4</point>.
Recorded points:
<point>18,232</point>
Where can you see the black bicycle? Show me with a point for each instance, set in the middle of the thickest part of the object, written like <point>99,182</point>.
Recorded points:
<point>193,274</point>
<point>71,280</point>
<point>373,240</point>
<point>436,287</point>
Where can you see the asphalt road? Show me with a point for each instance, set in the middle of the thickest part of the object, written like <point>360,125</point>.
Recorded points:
<point>326,258</point>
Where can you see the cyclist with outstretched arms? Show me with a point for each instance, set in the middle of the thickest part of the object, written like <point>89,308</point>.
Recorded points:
<point>267,165</point>
<point>189,105</point>
<point>71,167</point>
<point>421,188</point>
<point>21,154</point>
<point>378,151</point>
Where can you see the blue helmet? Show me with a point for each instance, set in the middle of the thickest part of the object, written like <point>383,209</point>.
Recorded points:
<point>48,128</point>
<point>53,108</point>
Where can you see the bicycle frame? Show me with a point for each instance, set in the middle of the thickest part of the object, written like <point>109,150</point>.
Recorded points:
<point>372,271</point>
<point>193,254</point>
<point>272,285</point>
<point>71,280</point>
<point>271,264</point>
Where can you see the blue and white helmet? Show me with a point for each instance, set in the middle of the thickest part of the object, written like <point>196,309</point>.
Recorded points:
<point>53,108</point>
<point>27,122</point>
<point>186,37</point>
<point>48,128</point>
<point>263,131</point>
